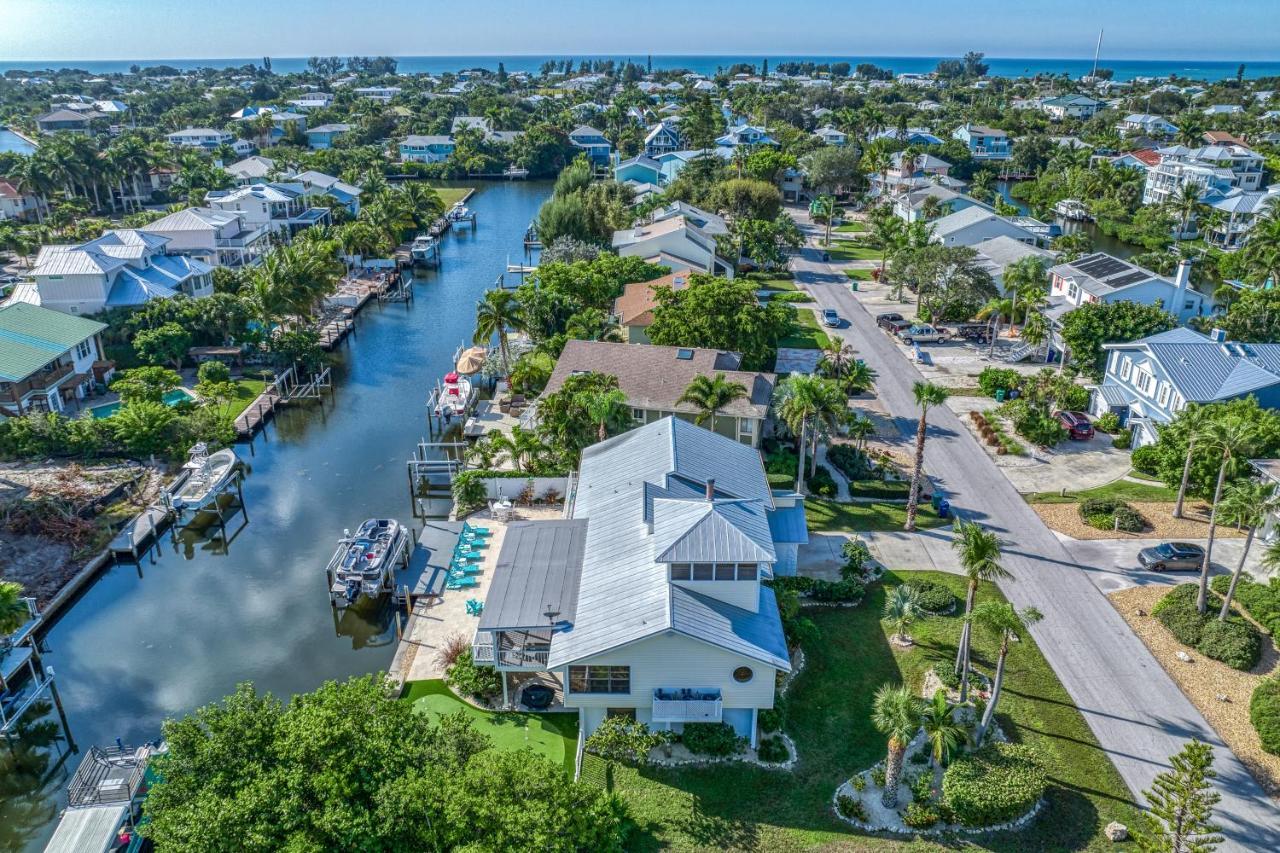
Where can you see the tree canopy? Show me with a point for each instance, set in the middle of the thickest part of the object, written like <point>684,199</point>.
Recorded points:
<point>1087,328</point>
<point>724,314</point>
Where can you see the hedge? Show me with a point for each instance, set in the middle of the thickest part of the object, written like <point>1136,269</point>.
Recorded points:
<point>1111,514</point>
<point>822,483</point>
<point>998,783</point>
<point>1261,601</point>
<point>992,379</point>
<point>714,739</point>
<point>934,597</point>
<point>1235,642</point>
<point>850,461</point>
<point>469,678</point>
<point>1264,713</point>
<point>772,750</point>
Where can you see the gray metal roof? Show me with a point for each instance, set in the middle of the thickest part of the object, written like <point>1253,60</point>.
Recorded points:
<point>787,525</point>
<point>625,594</point>
<point>1204,370</point>
<point>692,531</point>
<point>537,573</point>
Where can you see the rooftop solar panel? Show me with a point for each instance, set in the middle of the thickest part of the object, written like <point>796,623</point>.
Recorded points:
<point>1127,279</point>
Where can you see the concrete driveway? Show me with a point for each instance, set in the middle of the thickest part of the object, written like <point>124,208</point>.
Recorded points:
<point>1138,714</point>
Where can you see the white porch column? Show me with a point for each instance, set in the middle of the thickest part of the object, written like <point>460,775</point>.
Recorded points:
<point>505,699</point>
<point>755,731</point>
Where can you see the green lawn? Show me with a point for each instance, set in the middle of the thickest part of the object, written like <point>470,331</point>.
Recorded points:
<point>860,274</point>
<point>775,284</point>
<point>855,227</point>
<point>552,735</point>
<point>451,195</point>
<point>747,808</point>
<point>247,390</point>
<point>1125,490</point>
<point>807,333</point>
<point>843,252</point>
<point>831,517</point>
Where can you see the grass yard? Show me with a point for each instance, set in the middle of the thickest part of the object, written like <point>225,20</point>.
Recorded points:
<point>451,195</point>
<point>831,517</point>
<point>775,284</point>
<point>1125,490</point>
<point>747,808</point>
<point>807,332</point>
<point>855,227</point>
<point>552,735</point>
<point>860,274</point>
<point>841,252</point>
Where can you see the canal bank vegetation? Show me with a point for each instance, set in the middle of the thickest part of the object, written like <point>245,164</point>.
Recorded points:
<point>349,767</point>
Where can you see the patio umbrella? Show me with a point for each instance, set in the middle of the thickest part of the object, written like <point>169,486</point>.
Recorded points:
<point>472,360</point>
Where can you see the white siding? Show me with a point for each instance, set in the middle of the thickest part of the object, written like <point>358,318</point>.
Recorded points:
<point>73,294</point>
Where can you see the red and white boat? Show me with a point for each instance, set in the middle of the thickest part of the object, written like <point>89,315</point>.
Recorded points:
<point>453,395</point>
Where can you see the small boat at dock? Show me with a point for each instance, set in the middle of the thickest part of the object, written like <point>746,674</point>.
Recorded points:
<point>204,477</point>
<point>1072,210</point>
<point>104,800</point>
<point>513,173</point>
<point>363,564</point>
<point>424,249</point>
<point>460,214</point>
<point>453,396</point>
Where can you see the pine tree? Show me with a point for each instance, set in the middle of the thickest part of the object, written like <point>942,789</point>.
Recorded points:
<point>1182,801</point>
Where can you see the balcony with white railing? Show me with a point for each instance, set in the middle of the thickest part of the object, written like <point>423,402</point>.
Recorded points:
<point>685,705</point>
<point>527,650</point>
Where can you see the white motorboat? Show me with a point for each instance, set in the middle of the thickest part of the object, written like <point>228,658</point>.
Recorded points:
<point>423,250</point>
<point>363,564</point>
<point>460,213</point>
<point>205,475</point>
<point>453,395</point>
<point>1072,209</point>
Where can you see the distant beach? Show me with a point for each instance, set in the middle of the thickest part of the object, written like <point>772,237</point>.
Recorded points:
<point>1124,69</point>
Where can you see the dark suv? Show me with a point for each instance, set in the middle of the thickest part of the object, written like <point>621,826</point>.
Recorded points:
<point>1076,424</point>
<point>890,321</point>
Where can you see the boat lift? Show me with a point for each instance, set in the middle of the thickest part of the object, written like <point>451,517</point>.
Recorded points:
<point>24,679</point>
<point>397,559</point>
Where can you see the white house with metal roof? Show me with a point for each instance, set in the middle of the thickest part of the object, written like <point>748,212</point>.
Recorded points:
<point>1148,381</point>
<point>218,238</point>
<point>647,600</point>
<point>283,207</point>
<point>674,242</point>
<point>1099,277</point>
<point>47,359</point>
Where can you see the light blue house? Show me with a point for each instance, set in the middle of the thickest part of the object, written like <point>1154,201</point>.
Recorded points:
<point>746,134</point>
<point>593,143</point>
<point>325,135</point>
<point>639,170</point>
<point>426,149</point>
<point>985,143</point>
<point>1148,381</point>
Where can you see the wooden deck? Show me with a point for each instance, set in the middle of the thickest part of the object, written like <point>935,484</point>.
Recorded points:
<point>257,413</point>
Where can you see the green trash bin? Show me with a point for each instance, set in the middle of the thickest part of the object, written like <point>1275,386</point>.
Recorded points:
<point>999,395</point>
<point>853,284</point>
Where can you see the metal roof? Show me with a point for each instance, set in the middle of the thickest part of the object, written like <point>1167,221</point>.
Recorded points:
<point>31,337</point>
<point>536,575</point>
<point>87,830</point>
<point>755,635</point>
<point>702,531</point>
<point>787,525</point>
<point>1204,370</point>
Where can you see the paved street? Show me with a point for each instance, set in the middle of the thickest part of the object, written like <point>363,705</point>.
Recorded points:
<point>1135,710</point>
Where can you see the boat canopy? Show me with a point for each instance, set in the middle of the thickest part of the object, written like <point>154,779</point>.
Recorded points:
<point>88,830</point>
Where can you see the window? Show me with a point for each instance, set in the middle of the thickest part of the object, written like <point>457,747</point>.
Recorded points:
<point>743,674</point>
<point>82,349</point>
<point>746,426</point>
<point>600,679</point>
<point>747,571</point>
<point>637,415</point>
<point>1126,367</point>
<point>703,571</point>
<point>724,571</point>
<point>680,571</point>
<point>1164,394</point>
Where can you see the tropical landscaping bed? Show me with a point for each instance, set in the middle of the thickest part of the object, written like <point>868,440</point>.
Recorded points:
<point>828,714</point>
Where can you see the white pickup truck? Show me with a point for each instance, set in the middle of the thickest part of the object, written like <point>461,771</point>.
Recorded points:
<point>924,333</point>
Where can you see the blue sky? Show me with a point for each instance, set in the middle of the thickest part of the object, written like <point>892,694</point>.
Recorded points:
<point>159,29</point>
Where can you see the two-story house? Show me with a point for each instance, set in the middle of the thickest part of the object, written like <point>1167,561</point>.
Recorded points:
<point>1148,381</point>
<point>593,143</point>
<point>674,243</point>
<point>48,359</point>
<point>283,207</point>
<point>1071,106</point>
<point>325,135</point>
<point>831,136</point>
<point>121,268</point>
<point>654,379</point>
<point>647,599</point>
<point>911,173</point>
<point>381,94</point>
<point>1215,169</point>
<point>984,143</point>
<point>417,148</point>
<point>1146,124</point>
<point>320,183</point>
<point>16,204</point>
<point>633,310</point>
<point>1099,277</point>
<point>639,171</point>
<point>68,121</point>
<point>745,134</point>
<point>218,238</point>
<point>709,223</point>
<point>201,137</point>
<point>1240,210</point>
<point>663,138</point>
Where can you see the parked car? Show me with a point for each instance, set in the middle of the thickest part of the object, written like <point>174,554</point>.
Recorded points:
<point>1076,424</point>
<point>889,320</point>
<point>830,318</point>
<point>924,333</point>
<point>1172,557</point>
<point>979,333</point>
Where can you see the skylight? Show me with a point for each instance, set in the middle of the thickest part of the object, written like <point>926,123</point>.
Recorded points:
<point>684,354</point>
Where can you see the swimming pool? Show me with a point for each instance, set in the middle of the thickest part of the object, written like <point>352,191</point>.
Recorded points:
<point>173,398</point>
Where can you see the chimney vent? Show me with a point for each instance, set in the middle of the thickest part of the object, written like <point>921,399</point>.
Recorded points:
<point>711,490</point>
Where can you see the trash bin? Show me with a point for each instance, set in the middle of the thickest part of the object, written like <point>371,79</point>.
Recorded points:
<point>936,501</point>
<point>999,395</point>
<point>853,284</point>
<point>944,509</point>
<point>826,257</point>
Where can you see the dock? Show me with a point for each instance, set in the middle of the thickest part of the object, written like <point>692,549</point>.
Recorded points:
<point>429,561</point>
<point>136,536</point>
<point>257,413</point>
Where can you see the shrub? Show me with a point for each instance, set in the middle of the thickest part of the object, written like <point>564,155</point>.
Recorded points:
<point>791,296</point>
<point>922,785</point>
<point>1260,601</point>
<point>620,738</point>
<point>877,775</point>
<point>1146,459</point>
<point>919,757</point>
<point>855,553</point>
<point>934,597</point>
<point>1235,642</point>
<point>822,483</point>
<point>471,679</point>
<point>772,750</point>
<point>781,461</point>
<point>771,720</point>
<point>992,379</point>
<point>1123,440</point>
<point>851,807</point>
<point>841,591</point>
<point>1037,426</point>
<point>858,782</point>
<point>714,739</point>
<point>1074,399</point>
<point>1111,514</point>
<point>920,815</point>
<point>1107,422</point>
<point>850,461</point>
<point>997,783</point>
<point>451,649</point>
<point>213,371</point>
<point>947,674</point>
<point>1264,713</point>
<point>794,583</point>
<point>468,491</point>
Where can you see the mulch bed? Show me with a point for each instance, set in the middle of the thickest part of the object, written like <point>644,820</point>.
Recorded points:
<point>1065,518</point>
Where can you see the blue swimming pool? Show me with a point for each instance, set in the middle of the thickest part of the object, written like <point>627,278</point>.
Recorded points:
<point>173,398</point>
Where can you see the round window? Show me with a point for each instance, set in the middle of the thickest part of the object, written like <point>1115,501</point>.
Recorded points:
<point>743,674</point>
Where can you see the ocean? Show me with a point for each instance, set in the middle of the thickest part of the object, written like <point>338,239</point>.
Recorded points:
<point>1125,69</point>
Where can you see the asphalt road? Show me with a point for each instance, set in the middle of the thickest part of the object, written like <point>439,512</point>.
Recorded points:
<point>1138,714</point>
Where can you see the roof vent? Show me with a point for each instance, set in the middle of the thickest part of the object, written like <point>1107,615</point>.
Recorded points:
<point>1218,336</point>
<point>684,354</point>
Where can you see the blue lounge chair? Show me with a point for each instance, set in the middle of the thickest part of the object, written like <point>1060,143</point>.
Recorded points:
<point>474,607</point>
<point>468,555</point>
<point>461,583</point>
<point>476,531</point>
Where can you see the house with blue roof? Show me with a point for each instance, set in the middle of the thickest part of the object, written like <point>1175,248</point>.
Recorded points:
<point>647,599</point>
<point>663,138</point>
<point>638,170</point>
<point>745,134</point>
<point>592,142</point>
<point>1148,381</point>
<point>325,135</point>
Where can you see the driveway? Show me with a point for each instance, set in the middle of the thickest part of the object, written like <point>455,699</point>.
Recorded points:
<point>1138,714</point>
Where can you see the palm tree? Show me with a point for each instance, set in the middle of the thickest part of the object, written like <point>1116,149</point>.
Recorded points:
<point>896,714</point>
<point>944,733</point>
<point>603,407</point>
<point>836,357</point>
<point>859,377</point>
<point>1002,618</point>
<point>1195,418</point>
<point>996,310</point>
<point>13,610</point>
<point>927,395</point>
<point>1185,204</point>
<point>497,311</point>
<point>1025,279</point>
<point>860,429</point>
<point>979,552</point>
<point>1232,437</point>
<point>902,609</point>
<point>1245,504</point>
<point>797,403</point>
<point>523,447</point>
<point>710,395</point>
<point>889,232</point>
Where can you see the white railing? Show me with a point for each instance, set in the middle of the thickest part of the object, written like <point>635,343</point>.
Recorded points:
<point>706,710</point>
<point>523,657</point>
<point>482,649</point>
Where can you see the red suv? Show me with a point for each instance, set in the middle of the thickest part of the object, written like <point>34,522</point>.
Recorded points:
<point>1076,424</point>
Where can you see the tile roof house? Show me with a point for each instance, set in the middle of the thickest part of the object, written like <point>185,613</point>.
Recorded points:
<point>634,308</point>
<point>654,378</point>
<point>1148,381</point>
<point>647,599</point>
<point>47,359</point>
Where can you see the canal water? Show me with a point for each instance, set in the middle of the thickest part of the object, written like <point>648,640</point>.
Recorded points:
<point>143,645</point>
